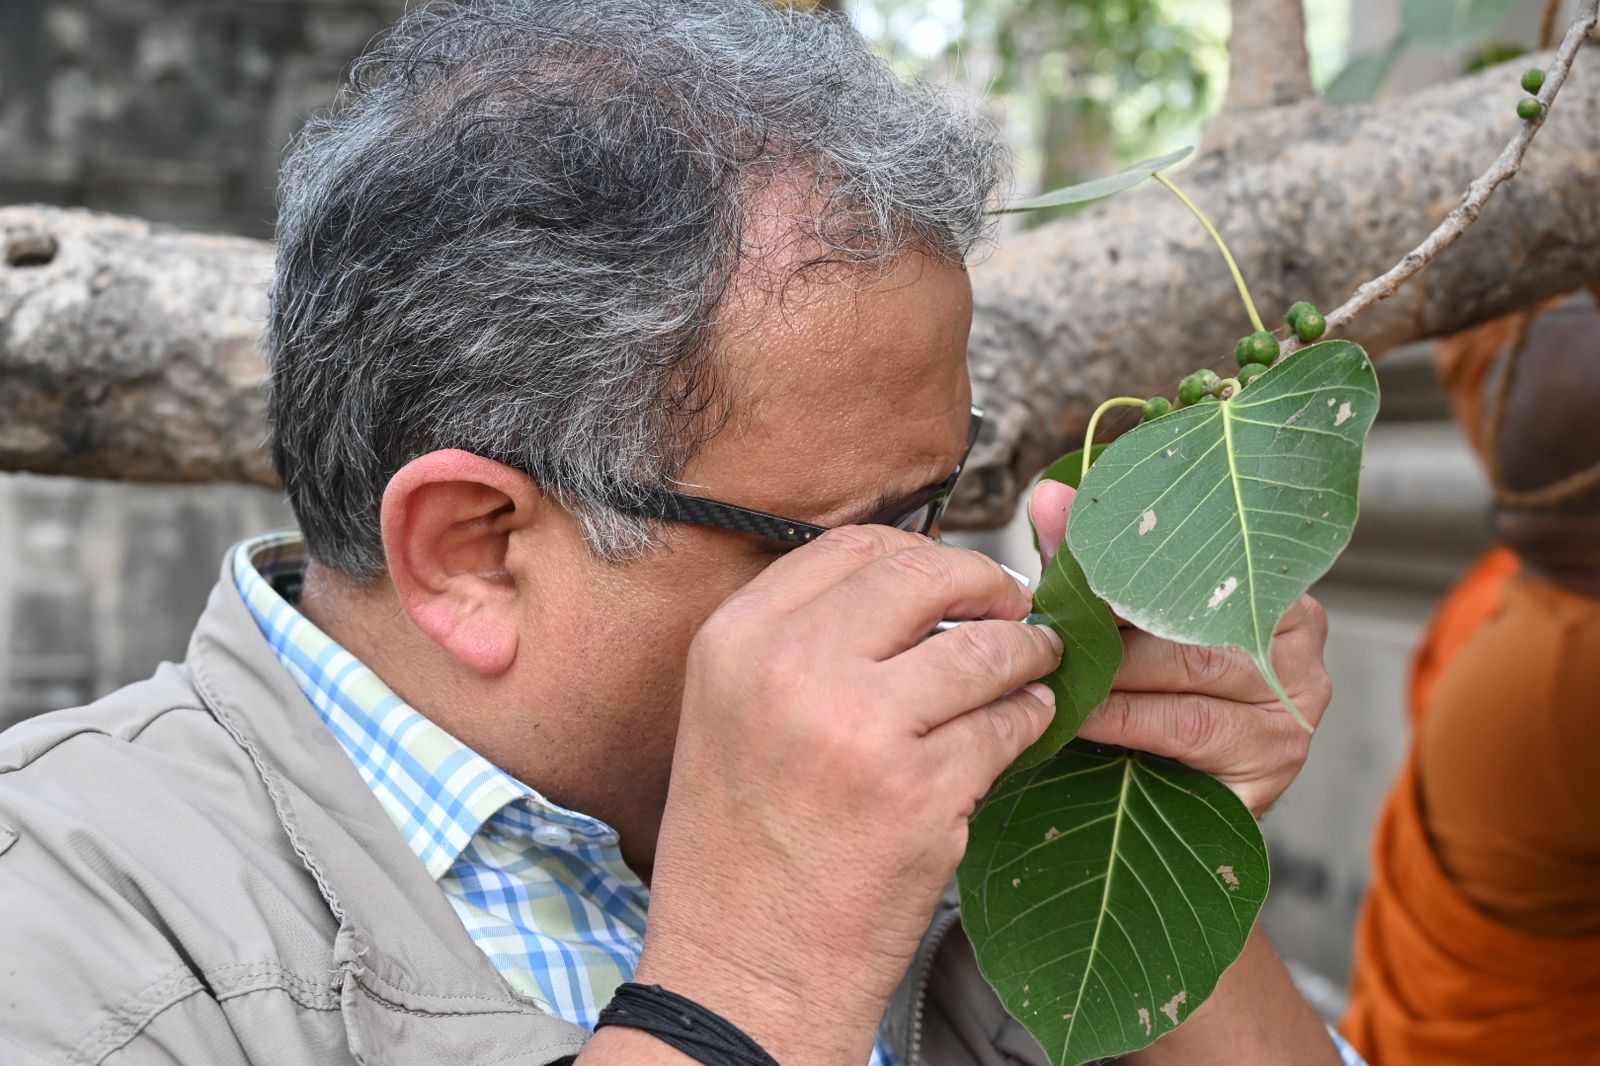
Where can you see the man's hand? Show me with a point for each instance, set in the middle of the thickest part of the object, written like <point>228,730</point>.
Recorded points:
<point>1208,707</point>
<point>828,759</point>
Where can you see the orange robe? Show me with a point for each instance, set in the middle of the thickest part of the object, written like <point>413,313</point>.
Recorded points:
<point>1437,980</point>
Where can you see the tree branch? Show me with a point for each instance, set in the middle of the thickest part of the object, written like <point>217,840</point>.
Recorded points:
<point>1502,170</point>
<point>1129,297</point>
<point>128,350</point>
<point>1267,61</point>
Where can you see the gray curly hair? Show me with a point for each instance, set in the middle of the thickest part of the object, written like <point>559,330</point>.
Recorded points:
<point>512,233</point>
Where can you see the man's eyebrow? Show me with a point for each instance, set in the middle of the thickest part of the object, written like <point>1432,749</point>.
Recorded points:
<point>889,498</point>
<point>894,497</point>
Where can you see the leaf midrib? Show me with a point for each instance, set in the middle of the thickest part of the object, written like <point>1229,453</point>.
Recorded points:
<point>1105,903</point>
<point>1244,526</point>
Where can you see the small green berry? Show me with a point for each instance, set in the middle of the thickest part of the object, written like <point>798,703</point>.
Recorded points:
<point>1311,325</point>
<point>1197,385</point>
<point>1532,79</point>
<point>1263,348</point>
<point>1250,373</point>
<point>1528,108</point>
<point>1256,348</point>
<point>1155,407</point>
<point>1298,308</point>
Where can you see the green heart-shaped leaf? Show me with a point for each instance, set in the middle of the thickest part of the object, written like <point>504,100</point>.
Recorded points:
<point>1099,187</point>
<point>1086,626</point>
<point>1093,651</point>
<point>1105,892</point>
<point>1206,525</point>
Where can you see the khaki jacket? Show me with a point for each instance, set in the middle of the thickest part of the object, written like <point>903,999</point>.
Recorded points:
<point>192,873</point>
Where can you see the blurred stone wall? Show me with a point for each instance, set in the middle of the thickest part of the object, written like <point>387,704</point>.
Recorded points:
<point>100,582</point>
<point>174,110</point>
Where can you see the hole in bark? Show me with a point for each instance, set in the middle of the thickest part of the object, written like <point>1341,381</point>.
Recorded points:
<point>30,249</point>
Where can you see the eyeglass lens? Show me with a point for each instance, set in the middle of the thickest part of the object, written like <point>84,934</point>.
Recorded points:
<point>920,519</point>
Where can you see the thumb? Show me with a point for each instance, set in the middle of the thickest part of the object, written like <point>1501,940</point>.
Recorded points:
<point>1049,508</point>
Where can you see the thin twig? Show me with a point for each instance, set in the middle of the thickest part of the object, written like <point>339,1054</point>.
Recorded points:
<point>1503,169</point>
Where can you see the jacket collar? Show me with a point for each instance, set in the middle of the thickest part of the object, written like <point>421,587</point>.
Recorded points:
<point>415,986</point>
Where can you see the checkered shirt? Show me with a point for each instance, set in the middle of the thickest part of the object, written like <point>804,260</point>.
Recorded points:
<point>542,890</point>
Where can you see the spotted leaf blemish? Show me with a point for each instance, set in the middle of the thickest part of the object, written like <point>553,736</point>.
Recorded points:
<point>1170,1007</point>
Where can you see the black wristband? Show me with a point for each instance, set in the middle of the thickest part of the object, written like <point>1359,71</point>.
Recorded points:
<point>698,1032</point>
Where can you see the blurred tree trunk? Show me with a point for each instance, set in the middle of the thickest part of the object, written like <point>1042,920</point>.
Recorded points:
<point>1267,61</point>
<point>128,350</point>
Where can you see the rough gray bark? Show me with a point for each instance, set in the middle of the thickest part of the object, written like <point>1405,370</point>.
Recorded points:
<point>1313,200</point>
<point>130,352</point>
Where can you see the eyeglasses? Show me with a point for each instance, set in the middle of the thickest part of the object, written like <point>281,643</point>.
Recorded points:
<point>919,513</point>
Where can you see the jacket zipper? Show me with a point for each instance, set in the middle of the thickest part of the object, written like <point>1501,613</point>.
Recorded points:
<point>919,1000</point>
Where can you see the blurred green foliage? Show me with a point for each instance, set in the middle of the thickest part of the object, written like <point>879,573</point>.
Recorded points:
<point>1080,85</point>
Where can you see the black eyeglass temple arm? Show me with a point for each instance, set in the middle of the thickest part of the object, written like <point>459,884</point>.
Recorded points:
<point>696,510</point>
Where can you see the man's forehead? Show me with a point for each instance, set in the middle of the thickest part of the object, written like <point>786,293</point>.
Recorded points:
<point>842,381</point>
<point>800,332</point>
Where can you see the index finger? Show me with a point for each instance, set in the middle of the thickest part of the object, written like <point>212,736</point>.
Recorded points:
<point>1050,509</point>
<point>894,602</point>
<point>796,578</point>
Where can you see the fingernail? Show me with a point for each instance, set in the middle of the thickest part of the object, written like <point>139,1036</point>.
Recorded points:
<point>1021,579</point>
<point>1055,638</point>
<point>1042,692</point>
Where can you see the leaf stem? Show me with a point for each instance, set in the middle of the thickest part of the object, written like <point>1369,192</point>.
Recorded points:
<point>1231,385</point>
<point>1094,423</point>
<point>1233,267</point>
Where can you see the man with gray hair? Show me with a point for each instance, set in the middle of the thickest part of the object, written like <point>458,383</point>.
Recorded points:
<point>618,383</point>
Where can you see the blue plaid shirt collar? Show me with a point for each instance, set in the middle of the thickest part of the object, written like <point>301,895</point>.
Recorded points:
<point>437,790</point>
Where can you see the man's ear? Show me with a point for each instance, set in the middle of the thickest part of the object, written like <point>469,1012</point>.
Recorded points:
<point>448,518</point>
